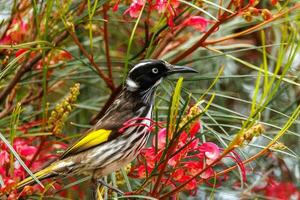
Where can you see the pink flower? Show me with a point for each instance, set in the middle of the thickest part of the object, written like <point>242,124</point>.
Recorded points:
<point>161,137</point>
<point>18,171</point>
<point>197,22</point>
<point>135,8</point>
<point>4,157</point>
<point>210,150</point>
<point>22,147</point>
<point>163,5</point>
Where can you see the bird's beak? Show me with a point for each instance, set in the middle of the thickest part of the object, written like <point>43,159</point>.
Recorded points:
<point>173,69</point>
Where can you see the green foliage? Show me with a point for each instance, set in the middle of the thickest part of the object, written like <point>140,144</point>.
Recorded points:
<point>248,77</point>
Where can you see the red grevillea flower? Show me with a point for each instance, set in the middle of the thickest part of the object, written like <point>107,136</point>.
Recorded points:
<point>279,190</point>
<point>116,6</point>
<point>20,52</point>
<point>211,151</point>
<point>4,157</point>
<point>27,148</point>
<point>16,32</point>
<point>188,160</point>
<point>161,138</point>
<point>167,7</point>
<point>135,8</point>
<point>197,22</point>
<point>56,57</point>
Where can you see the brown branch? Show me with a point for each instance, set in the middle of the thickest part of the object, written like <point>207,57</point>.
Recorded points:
<point>106,79</point>
<point>200,42</point>
<point>26,100</point>
<point>253,28</point>
<point>181,187</point>
<point>27,66</point>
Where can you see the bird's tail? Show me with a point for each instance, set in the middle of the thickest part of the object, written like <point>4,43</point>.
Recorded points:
<point>40,175</point>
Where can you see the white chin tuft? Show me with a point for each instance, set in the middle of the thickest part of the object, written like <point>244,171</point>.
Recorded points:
<point>131,85</point>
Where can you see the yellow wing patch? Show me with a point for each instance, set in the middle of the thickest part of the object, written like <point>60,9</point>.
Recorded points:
<point>92,139</point>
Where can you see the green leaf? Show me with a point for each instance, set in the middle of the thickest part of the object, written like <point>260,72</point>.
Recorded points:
<point>174,107</point>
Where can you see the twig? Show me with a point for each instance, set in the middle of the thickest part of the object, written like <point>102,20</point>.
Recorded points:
<point>224,17</point>
<point>106,79</point>
<point>24,101</point>
<point>180,187</point>
<point>250,30</point>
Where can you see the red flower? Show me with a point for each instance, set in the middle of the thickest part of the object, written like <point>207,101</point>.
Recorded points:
<point>26,149</point>
<point>116,6</point>
<point>166,5</point>
<point>210,150</point>
<point>20,52</point>
<point>135,8</point>
<point>191,185</point>
<point>66,55</point>
<point>178,174</point>
<point>197,22</point>
<point>142,171</point>
<point>16,32</point>
<point>279,190</point>
<point>4,157</point>
<point>274,2</point>
<point>22,147</point>
<point>195,128</point>
<point>188,161</point>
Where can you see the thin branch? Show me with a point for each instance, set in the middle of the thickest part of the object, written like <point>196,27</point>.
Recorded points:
<point>252,29</point>
<point>106,79</point>
<point>200,42</point>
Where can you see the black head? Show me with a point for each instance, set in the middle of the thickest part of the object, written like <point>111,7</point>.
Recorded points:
<point>149,73</point>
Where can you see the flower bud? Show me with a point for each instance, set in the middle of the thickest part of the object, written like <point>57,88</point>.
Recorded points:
<point>266,14</point>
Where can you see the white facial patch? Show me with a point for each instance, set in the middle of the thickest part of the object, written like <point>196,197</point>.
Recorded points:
<point>132,86</point>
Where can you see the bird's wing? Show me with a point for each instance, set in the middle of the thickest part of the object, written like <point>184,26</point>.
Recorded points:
<point>107,128</point>
<point>89,140</point>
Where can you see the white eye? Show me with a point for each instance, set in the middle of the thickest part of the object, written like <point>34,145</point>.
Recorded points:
<point>155,70</point>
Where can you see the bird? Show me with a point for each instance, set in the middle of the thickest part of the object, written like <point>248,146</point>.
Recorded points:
<point>117,138</point>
